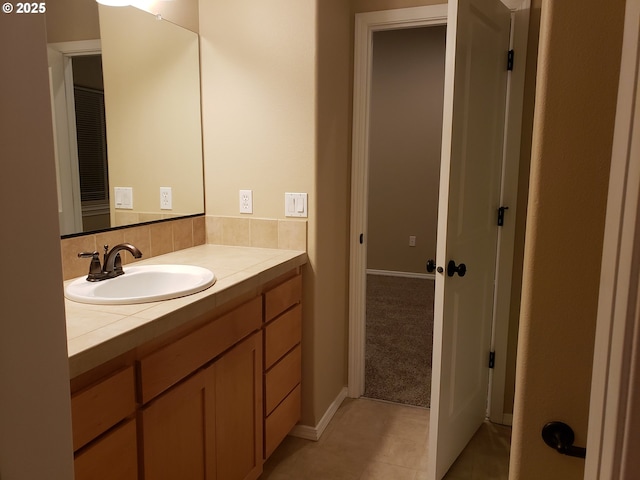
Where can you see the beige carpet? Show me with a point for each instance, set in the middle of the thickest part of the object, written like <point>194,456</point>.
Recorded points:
<point>399,339</point>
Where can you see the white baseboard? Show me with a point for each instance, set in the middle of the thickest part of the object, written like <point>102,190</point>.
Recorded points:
<point>393,273</point>
<point>507,419</point>
<point>314,433</point>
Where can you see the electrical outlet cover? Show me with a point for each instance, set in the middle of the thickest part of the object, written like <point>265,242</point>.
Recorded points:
<point>166,200</point>
<point>246,201</point>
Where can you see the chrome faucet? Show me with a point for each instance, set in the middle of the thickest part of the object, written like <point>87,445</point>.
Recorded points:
<point>112,265</point>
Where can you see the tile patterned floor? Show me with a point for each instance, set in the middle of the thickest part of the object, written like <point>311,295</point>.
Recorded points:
<point>371,440</point>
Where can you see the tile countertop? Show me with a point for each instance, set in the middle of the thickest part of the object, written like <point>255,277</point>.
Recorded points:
<point>98,333</point>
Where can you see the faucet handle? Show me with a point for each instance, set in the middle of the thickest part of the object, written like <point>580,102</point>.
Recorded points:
<point>92,255</point>
<point>117,264</point>
<point>95,268</point>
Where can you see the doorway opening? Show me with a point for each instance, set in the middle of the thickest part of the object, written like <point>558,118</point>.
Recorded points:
<point>78,110</point>
<point>366,25</point>
<point>493,97</point>
<point>405,138</point>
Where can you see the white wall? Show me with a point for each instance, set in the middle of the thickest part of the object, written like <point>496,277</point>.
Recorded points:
<point>35,418</point>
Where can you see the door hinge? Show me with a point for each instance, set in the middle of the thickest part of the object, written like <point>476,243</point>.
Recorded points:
<point>501,215</point>
<point>492,359</point>
<point>510,60</point>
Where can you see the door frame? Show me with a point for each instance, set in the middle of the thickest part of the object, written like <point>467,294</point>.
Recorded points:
<point>66,151</point>
<point>614,414</point>
<point>366,24</point>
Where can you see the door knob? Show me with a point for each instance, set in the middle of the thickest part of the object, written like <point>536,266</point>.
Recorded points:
<point>431,266</point>
<point>452,269</point>
<point>560,437</point>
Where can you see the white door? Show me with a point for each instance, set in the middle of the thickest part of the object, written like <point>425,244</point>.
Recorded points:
<point>472,143</point>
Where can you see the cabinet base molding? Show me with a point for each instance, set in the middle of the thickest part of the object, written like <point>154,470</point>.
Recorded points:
<point>314,433</point>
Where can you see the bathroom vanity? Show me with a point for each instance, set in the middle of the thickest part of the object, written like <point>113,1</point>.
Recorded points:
<point>204,386</point>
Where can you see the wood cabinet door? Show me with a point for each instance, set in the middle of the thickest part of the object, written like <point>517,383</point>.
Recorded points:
<point>112,456</point>
<point>239,411</point>
<point>178,440</point>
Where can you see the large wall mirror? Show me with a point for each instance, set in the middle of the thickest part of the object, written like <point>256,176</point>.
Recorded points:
<point>125,89</point>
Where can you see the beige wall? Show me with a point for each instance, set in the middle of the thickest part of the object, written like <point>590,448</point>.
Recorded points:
<point>35,418</point>
<point>152,105</point>
<point>72,20</point>
<point>258,92</point>
<point>276,116</point>
<point>331,228</point>
<point>405,134</point>
<point>180,12</point>
<point>577,81</point>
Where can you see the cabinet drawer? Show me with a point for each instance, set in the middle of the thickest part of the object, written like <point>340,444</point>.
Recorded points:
<point>170,364</point>
<point>113,457</point>
<point>282,379</point>
<point>281,421</point>
<point>280,298</point>
<point>282,335</point>
<point>100,406</point>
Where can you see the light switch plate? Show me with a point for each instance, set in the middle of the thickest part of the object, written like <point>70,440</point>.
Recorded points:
<point>295,205</point>
<point>123,198</point>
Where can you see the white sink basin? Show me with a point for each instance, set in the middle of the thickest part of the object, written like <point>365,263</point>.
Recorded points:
<point>140,284</point>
